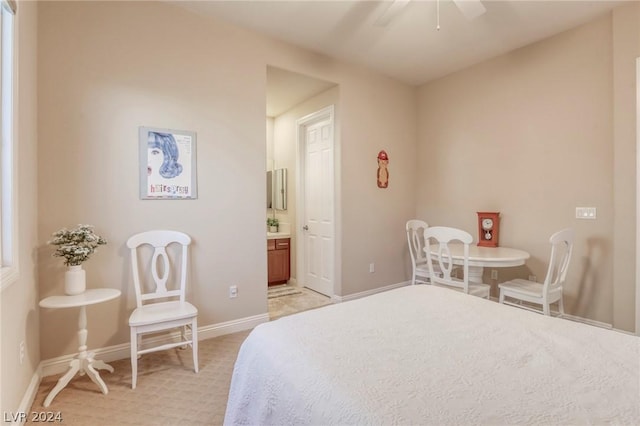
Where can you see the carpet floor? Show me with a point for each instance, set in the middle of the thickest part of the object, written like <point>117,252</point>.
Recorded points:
<point>168,391</point>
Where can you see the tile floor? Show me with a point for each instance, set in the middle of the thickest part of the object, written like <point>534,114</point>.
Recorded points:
<point>287,305</point>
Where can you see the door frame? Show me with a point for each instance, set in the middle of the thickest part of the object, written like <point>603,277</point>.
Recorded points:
<point>637,331</point>
<point>326,113</point>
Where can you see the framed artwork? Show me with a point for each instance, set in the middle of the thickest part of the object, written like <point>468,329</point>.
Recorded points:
<point>167,164</point>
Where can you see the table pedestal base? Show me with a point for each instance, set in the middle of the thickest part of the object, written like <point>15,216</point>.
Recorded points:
<point>81,366</point>
<point>475,274</point>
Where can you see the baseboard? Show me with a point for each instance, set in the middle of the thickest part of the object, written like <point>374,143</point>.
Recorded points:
<point>338,299</point>
<point>60,364</point>
<point>229,327</point>
<point>555,313</point>
<point>586,321</point>
<point>27,399</point>
<point>630,333</point>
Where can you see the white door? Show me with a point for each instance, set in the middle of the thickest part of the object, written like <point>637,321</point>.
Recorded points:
<point>318,193</point>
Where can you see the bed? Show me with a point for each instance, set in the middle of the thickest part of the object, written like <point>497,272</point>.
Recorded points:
<point>430,355</point>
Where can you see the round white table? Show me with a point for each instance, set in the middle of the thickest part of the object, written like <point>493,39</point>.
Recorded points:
<point>484,257</point>
<point>84,362</point>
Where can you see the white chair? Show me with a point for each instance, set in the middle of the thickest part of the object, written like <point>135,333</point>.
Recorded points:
<point>157,308</point>
<point>550,291</point>
<point>444,236</point>
<point>415,238</point>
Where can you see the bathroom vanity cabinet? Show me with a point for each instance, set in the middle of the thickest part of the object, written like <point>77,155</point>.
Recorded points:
<point>278,260</point>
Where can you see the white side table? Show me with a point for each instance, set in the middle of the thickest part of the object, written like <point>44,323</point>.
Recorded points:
<point>84,361</point>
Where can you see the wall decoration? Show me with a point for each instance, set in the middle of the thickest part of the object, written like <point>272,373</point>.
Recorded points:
<point>167,164</point>
<point>383,172</point>
<point>488,229</point>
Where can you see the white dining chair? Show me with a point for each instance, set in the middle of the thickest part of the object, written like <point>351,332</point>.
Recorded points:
<point>415,238</point>
<point>516,291</point>
<point>442,237</point>
<point>160,299</point>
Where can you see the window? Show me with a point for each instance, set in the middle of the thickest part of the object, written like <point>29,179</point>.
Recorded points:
<point>8,229</point>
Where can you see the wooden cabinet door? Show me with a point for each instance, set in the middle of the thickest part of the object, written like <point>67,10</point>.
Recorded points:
<point>278,262</point>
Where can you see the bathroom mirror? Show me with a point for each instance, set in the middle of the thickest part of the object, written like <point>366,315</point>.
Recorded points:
<point>269,189</point>
<point>277,189</point>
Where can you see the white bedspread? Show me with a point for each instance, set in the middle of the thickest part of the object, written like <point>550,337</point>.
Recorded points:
<point>429,355</point>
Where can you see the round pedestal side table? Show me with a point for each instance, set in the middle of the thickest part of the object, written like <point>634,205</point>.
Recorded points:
<point>84,362</point>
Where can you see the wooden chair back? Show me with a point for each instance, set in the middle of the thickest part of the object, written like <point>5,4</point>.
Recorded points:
<point>561,250</point>
<point>159,265</point>
<point>443,236</point>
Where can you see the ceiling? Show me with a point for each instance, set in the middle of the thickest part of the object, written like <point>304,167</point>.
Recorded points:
<point>409,48</point>
<point>286,89</point>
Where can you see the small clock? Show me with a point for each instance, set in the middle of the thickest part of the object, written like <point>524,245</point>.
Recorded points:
<point>488,229</point>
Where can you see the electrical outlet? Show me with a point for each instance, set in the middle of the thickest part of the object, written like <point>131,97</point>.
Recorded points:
<point>533,278</point>
<point>233,291</point>
<point>21,352</point>
<point>494,274</point>
<point>372,267</point>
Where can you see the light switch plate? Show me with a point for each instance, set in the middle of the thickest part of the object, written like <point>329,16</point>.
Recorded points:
<point>585,213</point>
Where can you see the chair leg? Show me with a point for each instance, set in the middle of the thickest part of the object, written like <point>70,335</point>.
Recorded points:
<point>546,309</point>
<point>194,343</point>
<point>183,336</point>
<point>501,296</point>
<point>134,357</point>
<point>561,306</point>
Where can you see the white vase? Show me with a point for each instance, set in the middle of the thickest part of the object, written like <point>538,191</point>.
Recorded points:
<point>273,229</point>
<point>75,281</point>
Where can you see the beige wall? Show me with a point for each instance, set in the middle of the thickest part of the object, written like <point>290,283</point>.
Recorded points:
<point>531,134</point>
<point>270,122</point>
<point>373,219</point>
<point>114,66</point>
<point>19,302</point>
<point>111,68</point>
<point>626,48</point>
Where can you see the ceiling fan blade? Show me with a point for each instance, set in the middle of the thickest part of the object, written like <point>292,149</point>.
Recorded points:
<point>392,11</point>
<point>471,9</point>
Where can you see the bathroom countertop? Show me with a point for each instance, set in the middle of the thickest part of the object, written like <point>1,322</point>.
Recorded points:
<point>281,234</point>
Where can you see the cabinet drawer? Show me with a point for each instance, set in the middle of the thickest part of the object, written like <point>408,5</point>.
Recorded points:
<point>278,244</point>
<point>282,243</point>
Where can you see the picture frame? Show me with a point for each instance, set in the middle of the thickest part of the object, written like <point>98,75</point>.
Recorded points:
<point>167,160</point>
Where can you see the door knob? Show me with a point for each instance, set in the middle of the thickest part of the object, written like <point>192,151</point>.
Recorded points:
<point>306,227</point>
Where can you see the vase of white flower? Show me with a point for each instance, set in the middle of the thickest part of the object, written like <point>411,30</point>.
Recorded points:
<point>75,245</point>
<point>75,281</point>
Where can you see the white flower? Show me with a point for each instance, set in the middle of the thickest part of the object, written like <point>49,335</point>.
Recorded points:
<point>76,245</point>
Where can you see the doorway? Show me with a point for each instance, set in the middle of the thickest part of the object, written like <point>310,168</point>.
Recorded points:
<point>638,197</point>
<point>292,97</point>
